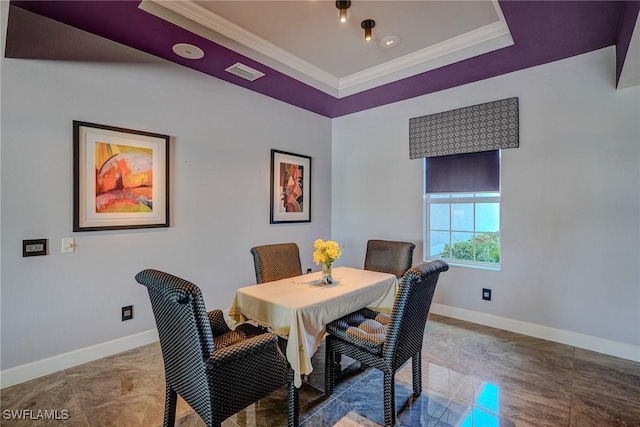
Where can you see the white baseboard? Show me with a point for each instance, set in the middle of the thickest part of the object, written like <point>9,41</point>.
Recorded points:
<point>29,371</point>
<point>600,345</point>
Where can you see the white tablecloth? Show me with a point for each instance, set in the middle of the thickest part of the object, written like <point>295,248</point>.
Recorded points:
<point>299,308</point>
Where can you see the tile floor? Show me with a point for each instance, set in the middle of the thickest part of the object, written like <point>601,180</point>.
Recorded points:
<point>472,376</point>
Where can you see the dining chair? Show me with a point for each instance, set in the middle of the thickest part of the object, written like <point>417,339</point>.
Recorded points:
<point>276,261</point>
<point>388,256</point>
<point>216,370</point>
<point>384,341</point>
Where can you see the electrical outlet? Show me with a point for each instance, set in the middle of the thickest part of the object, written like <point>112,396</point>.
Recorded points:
<point>127,312</point>
<point>486,294</point>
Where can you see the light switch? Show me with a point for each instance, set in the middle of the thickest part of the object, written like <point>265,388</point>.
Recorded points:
<point>68,245</point>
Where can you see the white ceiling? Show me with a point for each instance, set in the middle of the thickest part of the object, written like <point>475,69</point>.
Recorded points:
<point>305,40</point>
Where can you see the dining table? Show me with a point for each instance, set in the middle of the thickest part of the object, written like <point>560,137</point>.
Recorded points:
<point>299,308</point>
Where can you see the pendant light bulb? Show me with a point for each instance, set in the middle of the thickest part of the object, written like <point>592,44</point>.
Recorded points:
<point>367,25</point>
<point>343,5</point>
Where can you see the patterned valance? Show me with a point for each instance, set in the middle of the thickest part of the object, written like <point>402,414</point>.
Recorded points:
<point>483,127</point>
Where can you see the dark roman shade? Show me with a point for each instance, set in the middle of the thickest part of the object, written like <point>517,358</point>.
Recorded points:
<point>483,127</point>
<point>473,172</point>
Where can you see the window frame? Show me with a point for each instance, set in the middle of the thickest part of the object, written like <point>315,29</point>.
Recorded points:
<point>428,201</point>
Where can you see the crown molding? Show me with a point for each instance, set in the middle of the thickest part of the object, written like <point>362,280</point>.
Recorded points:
<point>436,56</point>
<point>210,20</point>
<point>482,40</point>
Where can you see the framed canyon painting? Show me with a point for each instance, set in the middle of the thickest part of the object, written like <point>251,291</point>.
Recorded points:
<point>120,178</point>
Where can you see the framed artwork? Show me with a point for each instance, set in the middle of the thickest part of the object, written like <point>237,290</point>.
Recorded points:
<point>120,178</point>
<point>290,187</point>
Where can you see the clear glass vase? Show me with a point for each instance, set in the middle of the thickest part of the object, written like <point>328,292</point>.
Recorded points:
<point>327,278</point>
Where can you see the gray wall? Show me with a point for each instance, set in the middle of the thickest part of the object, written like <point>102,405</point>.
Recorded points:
<point>220,164</point>
<point>570,213</point>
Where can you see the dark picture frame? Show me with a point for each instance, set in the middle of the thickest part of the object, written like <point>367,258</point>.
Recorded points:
<point>120,178</point>
<point>290,187</point>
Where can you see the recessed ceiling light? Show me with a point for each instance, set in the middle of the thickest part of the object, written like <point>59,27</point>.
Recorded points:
<point>188,51</point>
<point>390,41</point>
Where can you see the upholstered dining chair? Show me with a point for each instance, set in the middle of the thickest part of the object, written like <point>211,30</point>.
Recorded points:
<point>276,261</point>
<point>217,371</point>
<point>388,256</point>
<point>386,342</point>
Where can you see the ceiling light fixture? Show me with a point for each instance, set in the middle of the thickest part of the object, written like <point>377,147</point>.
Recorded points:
<point>343,5</point>
<point>367,25</point>
<point>390,41</point>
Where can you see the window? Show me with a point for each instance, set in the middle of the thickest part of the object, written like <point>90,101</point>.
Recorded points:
<point>462,209</point>
<point>463,228</point>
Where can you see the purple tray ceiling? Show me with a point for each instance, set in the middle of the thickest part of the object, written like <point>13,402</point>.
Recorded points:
<point>543,31</point>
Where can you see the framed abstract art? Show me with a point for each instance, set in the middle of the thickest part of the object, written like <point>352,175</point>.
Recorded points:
<point>290,187</point>
<point>120,178</point>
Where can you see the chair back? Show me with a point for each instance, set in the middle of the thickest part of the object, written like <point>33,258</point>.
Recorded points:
<point>389,257</point>
<point>410,309</point>
<point>276,262</point>
<point>185,335</point>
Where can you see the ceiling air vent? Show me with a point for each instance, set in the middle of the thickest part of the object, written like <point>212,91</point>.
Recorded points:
<point>244,71</point>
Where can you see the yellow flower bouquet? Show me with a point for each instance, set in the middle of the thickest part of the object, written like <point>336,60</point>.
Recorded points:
<point>325,253</point>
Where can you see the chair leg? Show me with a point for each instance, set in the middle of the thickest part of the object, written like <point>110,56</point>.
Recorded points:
<point>293,402</point>
<point>389,399</point>
<point>337,362</point>
<point>416,369</point>
<point>282,344</point>
<point>170,403</point>
<point>329,368</point>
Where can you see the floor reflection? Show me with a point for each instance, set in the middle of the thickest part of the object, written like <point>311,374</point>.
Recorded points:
<point>486,409</point>
<point>472,375</point>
